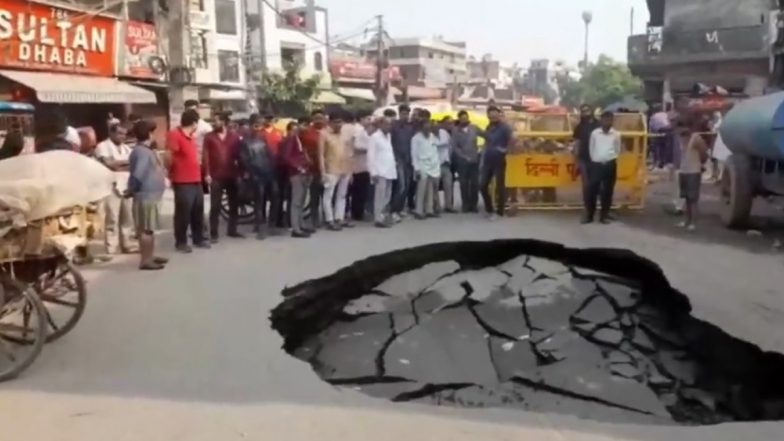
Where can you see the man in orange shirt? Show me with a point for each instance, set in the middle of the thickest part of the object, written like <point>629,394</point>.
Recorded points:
<point>273,138</point>
<point>310,142</point>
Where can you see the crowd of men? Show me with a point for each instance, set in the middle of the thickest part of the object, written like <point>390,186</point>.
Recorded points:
<point>346,167</point>
<point>330,171</point>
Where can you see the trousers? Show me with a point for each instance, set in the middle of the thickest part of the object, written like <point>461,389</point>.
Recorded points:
<point>188,213</point>
<point>118,228</point>
<point>447,185</point>
<point>299,192</point>
<point>382,192</point>
<point>335,194</point>
<point>358,193</point>
<point>468,175</point>
<point>425,192</point>
<point>601,185</point>
<point>266,188</point>
<point>493,168</point>
<point>217,188</point>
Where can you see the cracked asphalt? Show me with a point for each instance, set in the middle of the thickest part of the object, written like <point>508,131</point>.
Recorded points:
<point>188,353</point>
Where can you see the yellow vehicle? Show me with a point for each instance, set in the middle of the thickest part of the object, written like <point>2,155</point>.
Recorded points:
<point>541,172</point>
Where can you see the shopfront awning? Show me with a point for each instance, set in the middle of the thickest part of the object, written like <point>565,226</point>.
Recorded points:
<point>327,97</point>
<point>361,94</point>
<point>79,89</point>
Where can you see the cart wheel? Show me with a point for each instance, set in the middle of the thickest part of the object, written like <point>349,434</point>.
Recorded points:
<point>63,293</point>
<point>22,328</point>
<point>246,210</point>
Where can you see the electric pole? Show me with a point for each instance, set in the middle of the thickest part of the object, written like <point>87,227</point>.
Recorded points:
<point>379,86</point>
<point>178,62</point>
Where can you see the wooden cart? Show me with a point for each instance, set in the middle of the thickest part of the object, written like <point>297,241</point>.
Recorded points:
<point>42,295</point>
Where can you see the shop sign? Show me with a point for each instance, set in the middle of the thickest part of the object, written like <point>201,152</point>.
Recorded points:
<point>140,57</point>
<point>360,70</point>
<point>41,37</point>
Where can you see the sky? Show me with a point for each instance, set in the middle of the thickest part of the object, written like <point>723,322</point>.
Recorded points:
<point>511,30</point>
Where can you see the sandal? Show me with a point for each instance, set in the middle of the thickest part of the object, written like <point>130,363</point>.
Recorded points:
<point>160,260</point>
<point>151,267</point>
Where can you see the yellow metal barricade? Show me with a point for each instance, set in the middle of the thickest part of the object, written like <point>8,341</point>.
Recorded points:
<point>542,174</point>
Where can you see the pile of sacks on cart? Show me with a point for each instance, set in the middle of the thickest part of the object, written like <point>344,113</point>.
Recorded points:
<point>51,202</point>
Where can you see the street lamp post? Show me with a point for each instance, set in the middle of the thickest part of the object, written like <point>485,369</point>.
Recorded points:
<point>587,18</point>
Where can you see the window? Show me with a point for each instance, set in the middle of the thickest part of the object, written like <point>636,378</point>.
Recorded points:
<point>292,56</point>
<point>229,66</point>
<point>198,50</point>
<point>226,17</point>
<point>429,55</point>
<point>318,62</point>
<point>196,5</point>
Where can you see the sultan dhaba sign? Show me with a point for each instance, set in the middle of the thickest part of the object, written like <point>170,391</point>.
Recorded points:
<point>40,37</point>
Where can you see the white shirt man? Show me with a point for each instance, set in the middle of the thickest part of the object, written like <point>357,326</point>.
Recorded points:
<point>108,151</point>
<point>605,145</point>
<point>383,171</point>
<point>114,153</point>
<point>381,156</point>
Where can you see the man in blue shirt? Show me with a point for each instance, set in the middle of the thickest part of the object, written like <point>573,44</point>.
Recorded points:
<point>401,134</point>
<point>498,139</point>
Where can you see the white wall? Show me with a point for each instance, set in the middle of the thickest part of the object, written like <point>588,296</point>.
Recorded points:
<point>275,36</point>
<point>216,42</point>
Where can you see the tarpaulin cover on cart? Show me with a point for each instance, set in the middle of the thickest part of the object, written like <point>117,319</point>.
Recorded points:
<point>37,186</point>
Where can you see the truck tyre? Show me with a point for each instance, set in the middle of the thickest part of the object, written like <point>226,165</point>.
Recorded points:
<point>737,191</point>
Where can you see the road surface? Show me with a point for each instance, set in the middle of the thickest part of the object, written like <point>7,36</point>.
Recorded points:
<point>188,353</point>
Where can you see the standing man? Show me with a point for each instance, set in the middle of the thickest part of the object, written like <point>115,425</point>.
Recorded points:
<point>582,146</point>
<point>114,154</point>
<point>498,139</point>
<point>444,136</point>
<point>466,155</point>
<point>695,153</point>
<point>186,178</point>
<point>310,142</point>
<point>202,127</point>
<point>221,165</point>
<point>335,169</point>
<point>360,181</point>
<point>383,170</point>
<point>298,168</point>
<point>146,185</point>
<point>605,146</point>
<point>273,138</point>
<point>402,132</point>
<point>261,164</point>
<point>426,165</point>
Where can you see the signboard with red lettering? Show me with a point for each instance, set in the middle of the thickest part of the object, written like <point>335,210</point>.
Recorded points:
<point>140,52</point>
<point>360,70</point>
<point>40,37</point>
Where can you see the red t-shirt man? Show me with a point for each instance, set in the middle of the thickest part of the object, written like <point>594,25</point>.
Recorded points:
<point>184,165</point>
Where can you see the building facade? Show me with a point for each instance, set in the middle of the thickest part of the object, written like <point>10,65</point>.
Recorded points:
<point>53,60</point>
<point>287,31</point>
<point>728,43</point>
<point>216,36</point>
<point>426,65</point>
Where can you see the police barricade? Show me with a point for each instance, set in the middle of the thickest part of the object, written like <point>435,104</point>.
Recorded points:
<point>541,171</point>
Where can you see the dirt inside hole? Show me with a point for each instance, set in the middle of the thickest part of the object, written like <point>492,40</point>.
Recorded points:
<point>523,324</point>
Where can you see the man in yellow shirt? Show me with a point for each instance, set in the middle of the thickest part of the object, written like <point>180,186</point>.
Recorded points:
<point>335,166</point>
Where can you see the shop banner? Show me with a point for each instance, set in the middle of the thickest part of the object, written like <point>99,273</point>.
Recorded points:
<point>41,37</point>
<point>360,70</point>
<point>140,56</point>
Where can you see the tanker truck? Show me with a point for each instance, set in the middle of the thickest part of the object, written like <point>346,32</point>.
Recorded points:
<point>754,133</point>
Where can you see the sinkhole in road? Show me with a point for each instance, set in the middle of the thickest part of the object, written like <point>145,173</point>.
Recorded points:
<point>530,325</point>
